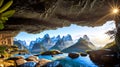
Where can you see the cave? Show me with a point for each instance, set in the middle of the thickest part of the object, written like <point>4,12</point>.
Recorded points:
<point>35,16</point>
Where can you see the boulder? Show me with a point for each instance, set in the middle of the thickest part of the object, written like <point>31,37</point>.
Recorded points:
<point>83,54</point>
<point>104,57</point>
<point>73,55</point>
<point>32,58</point>
<point>42,62</point>
<point>109,59</point>
<point>9,63</point>
<point>20,57</point>
<point>20,61</point>
<point>53,52</point>
<point>15,58</point>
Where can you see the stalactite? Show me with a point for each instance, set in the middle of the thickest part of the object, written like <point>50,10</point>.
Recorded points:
<point>92,4</point>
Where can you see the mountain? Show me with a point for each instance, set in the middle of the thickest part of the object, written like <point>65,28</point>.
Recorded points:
<point>63,43</point>
<point>86,38</point>
<point>31,44</point>
<point>67,38</point>
<point>46,38</point>
<point>38,40</point>
<point>50,43</point>
<point>47,41</point>
<point>81,46</point>
<point>23,43</point>
<point>37,48</point>
<point>20,44</point>
<point>55,39</point>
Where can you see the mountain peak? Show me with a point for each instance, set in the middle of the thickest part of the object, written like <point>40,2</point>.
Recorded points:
<point>46,36</point>
<point>68,35</point>
<point>58,36</point>
<point>86,37</point>
<point>67,38</point>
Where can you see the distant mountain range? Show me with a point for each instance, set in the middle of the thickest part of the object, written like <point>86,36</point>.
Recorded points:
<point>82,45</point>
<point>64,44</point>
<point>20,44</point>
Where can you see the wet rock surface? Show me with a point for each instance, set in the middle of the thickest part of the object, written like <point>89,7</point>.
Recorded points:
<point>73,55</point>
<point>54,52</point>
<point>42,62</point>
<point>105,57</point>
<point>83,54</point>
<point>102,58</point>
<point>32,58</point>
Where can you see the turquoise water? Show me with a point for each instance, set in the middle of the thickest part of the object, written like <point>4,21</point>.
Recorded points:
<point>77,62</point>
<point>67,61</point>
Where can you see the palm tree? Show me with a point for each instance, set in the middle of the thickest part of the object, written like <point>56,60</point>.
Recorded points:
<point>4,12</point>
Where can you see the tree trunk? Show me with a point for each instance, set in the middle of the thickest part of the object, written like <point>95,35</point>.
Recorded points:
<point>117,37</point>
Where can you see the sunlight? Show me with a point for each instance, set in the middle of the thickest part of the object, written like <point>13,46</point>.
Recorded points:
<point>100,40</point>
<point>102,37</point>
<point>115,10</point>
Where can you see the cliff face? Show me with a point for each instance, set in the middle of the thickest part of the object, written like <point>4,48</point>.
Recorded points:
<point>6,39</point>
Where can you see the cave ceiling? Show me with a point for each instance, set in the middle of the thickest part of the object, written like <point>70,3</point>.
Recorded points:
<point>34,16</point>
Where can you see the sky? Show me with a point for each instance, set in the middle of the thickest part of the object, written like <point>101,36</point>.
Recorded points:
<point>96,34</point>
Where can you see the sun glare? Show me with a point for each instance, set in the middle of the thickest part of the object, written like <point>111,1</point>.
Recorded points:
<point>115,10</point>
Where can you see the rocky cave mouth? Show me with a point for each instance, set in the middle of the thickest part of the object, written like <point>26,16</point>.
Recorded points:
<point>36,16</point>
<point>99,36</point>
<point>40,15</point>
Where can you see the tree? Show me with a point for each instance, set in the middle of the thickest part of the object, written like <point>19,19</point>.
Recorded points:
<point>4,12</point>
<point>111,33</point>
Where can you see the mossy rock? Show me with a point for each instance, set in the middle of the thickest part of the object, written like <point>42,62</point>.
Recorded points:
<point>83,54</point>
<point>73,55</point>
<point>53,52</point>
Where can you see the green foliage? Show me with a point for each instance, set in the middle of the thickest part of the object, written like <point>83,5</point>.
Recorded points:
<point>113,46</point>
<point>8,13</point>
<point>1,2</point>
<point>8,51</point>
<point>1,25</point>
<point>87,51</point>
<point>4,15</point>
<point>110,44</point>
<point>6,6</point>
<point>2,49</point>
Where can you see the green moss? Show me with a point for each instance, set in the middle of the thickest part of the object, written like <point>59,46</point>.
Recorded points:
<point>2,49</point>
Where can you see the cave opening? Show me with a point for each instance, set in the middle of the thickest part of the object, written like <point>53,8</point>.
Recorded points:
<point>65,31</point>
